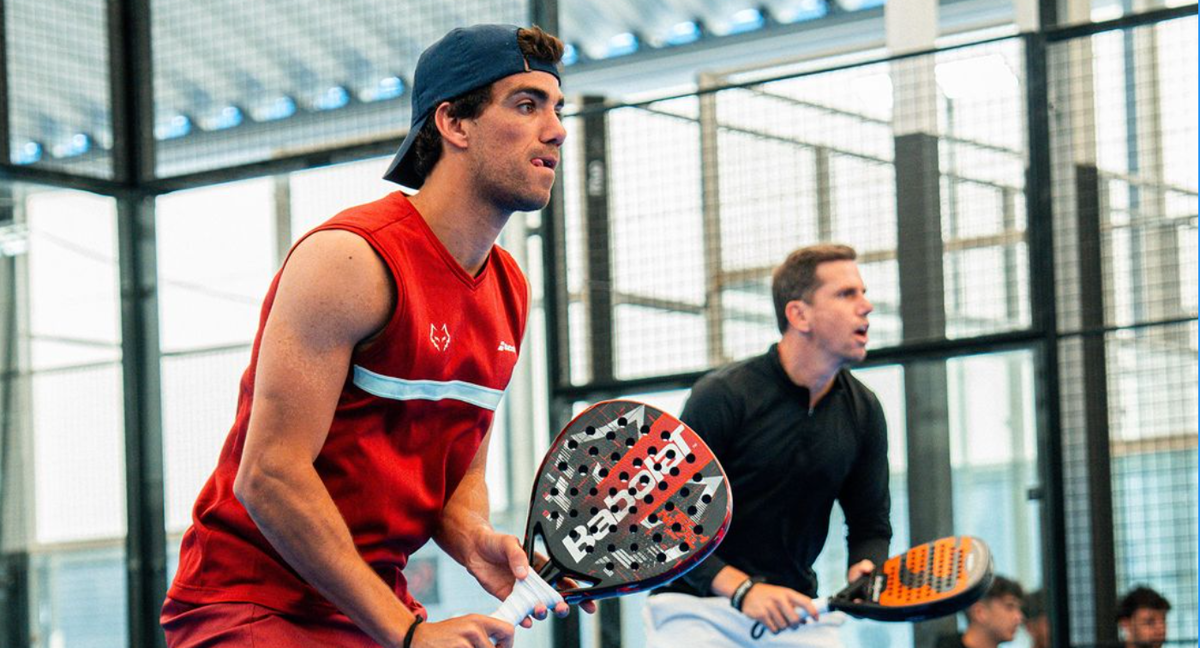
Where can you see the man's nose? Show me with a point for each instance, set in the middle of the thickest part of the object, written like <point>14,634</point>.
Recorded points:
<point>556,132</point>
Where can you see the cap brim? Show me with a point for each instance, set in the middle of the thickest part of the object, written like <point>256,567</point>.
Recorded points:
<point>403,171</point>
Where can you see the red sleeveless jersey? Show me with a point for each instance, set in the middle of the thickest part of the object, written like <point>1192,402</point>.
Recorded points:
<point>412,413</point>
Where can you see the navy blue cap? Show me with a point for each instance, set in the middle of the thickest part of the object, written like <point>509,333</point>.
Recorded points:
<point>465,59</point>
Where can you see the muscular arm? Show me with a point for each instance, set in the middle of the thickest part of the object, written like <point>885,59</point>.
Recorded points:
<point>465,515</point>
<point>468,537</point>
<point>334,293</point>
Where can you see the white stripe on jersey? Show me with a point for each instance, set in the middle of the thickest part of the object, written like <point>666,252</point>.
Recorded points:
<point>433,390</point>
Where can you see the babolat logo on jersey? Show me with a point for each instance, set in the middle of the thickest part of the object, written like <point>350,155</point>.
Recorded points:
<point>657,472</point>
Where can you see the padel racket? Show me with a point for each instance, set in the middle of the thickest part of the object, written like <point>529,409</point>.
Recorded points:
<point>928,581</point>
<point>627,498</point>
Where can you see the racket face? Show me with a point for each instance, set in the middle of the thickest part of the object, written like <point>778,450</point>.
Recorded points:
<point>627,498</point>
<point>930,580</point>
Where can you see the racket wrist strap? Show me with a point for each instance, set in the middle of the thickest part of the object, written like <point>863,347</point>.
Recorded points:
<point>412,631</point>
<point>526,594</point>
<point>739,594</point>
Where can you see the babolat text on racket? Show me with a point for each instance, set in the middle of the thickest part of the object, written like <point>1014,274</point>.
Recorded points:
<point>627,498</point>
<point>930,580</point>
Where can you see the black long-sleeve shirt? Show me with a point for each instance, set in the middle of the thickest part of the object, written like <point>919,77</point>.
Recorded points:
<point>786,466</point>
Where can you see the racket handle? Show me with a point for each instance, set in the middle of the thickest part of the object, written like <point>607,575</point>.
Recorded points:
<point>822,605</point>
<point>526,594</point>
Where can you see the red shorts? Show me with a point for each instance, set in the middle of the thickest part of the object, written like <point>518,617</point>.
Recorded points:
<point>250,625</point>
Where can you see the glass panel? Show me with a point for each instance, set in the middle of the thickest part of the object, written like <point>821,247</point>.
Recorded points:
<point>1153,418</point>
<point>72,425</point>
<point>216,258</point>
<point>80,598</point>
<point>993,452</point>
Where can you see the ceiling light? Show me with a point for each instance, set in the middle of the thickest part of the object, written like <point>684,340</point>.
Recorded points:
<point>746,20</point>
<point>332,98</point>
<point>221,118</point>
<point>622,44</point>
<point>805,10</point>
<point>172,126</point>
<point>27,153</point>
<point>570,54</point>
<point>74,146</point>
<point>389,87</point>
<point>273,109</point>
<point>683,33</point>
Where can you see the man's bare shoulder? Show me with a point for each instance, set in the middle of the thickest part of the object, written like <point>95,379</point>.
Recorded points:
<point>335,278</point>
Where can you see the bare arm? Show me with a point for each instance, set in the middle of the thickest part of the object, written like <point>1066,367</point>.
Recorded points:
<point>334,293</point>
<point>773,605</point>
<point>465,516</point>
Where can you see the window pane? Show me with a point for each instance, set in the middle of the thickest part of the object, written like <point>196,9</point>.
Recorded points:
<point>216,257</point>
<point>70,420</point>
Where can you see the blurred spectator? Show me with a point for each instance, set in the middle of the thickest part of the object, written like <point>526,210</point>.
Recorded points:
<point>992,620</point>
<point>1037,624</point>
<point>1142,618</point>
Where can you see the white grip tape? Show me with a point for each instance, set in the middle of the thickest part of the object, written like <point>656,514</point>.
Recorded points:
<point>525,596</point>
<point>822,605</point>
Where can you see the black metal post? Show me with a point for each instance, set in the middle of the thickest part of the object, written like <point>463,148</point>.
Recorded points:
<point>132,78</point>
<point>599,254</point>
<point>923,313</point>
<point>5,127</point>
<point>146,560</point>
<point>1095,386</point>
<point>1044,309</point>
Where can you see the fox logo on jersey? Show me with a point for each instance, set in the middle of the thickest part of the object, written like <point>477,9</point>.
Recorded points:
<point>439,336</point>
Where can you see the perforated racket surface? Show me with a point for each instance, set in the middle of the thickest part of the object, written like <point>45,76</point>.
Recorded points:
<point>627,498</point>
<point>927,581</point>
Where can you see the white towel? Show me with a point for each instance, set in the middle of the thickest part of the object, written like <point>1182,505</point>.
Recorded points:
<point>682,621</point>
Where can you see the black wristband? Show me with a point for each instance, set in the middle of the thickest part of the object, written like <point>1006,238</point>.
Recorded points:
<point>739,594</point>
<point>412,630</point>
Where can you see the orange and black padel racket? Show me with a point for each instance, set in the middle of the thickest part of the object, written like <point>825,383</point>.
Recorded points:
<point>930,580</point>
<point>628,498</point>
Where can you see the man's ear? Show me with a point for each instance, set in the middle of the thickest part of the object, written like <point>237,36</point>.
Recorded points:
<point>797,313</point>
<point>973,611</point>
<point>453,129</point>
<point>1122,629</point>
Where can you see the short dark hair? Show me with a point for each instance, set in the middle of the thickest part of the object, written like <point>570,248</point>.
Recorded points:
<point>796,277</point>
<point>1139,598</point>
<point>427,148</point>
<point>1000,587</point>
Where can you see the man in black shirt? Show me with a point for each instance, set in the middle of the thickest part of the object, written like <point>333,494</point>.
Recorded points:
<point>794,432</point>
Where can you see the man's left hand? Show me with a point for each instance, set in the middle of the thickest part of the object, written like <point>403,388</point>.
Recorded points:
<point>859,569</point>
<point>499,560</point>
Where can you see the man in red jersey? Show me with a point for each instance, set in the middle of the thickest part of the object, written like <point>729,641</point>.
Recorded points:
<point>384,346</point>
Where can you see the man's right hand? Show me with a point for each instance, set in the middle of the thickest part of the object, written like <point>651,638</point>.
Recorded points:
<point>470,631</point>
<point>775,606</point>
